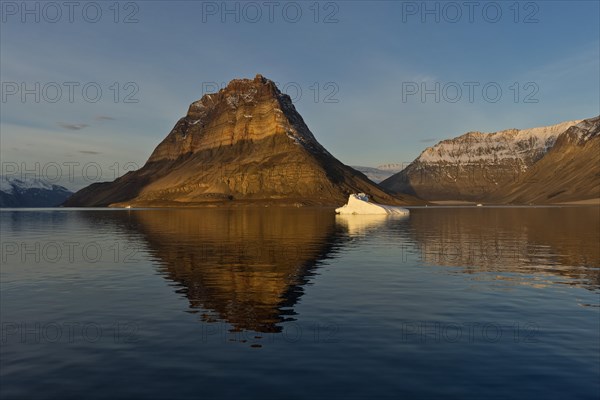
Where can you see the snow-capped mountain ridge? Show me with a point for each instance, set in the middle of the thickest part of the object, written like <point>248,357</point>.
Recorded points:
<point>30,192</point>
<point>392,167</point>
<point>584,131</point>
<point>570,171</point>
<point>381,172</point>
<point>10,184</point>
<point>525,145</point>
<point>474,165</point>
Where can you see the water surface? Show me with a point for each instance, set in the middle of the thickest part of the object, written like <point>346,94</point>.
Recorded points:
<point>272,303</point>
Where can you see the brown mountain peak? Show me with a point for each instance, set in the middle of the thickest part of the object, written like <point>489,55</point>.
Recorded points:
<point>245,110</point>
<point>245,143</point>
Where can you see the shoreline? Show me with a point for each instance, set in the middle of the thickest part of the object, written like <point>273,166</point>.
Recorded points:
<point>450,203</point>
<point>240,206</point>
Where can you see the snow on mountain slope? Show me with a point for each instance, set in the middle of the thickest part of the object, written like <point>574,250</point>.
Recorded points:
<point>379,173</point>
<point>5,185</point>
<point>569,172</point>
<point>30,192</point>
<point>392,167</point>
<point>525,145</point>
<point>471,166</point>
<point>9,184</point>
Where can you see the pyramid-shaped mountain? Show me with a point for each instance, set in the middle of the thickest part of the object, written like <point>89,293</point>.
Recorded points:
<point>245,144</point>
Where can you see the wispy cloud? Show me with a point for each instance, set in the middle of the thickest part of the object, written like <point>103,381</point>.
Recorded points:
<point>73,127</point>
<point>578,61</point>
<point>423,78</point>
<point>104,118</point>
<point>89,152</point>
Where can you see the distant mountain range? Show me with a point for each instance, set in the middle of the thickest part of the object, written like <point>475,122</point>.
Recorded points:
<point>245,144</point>
<point>30,192</point>
<point>557,163</point>
<point>381,172</point>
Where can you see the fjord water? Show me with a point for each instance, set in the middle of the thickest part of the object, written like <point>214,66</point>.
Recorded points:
<point>292,303</point>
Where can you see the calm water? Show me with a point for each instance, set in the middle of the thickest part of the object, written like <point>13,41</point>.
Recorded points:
<point>449,302</point>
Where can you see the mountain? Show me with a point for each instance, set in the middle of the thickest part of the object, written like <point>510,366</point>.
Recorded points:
<point>30,192</point>
<point>244,144</point>
<point>381,172</point>
<point>570,171</point>
<point>474,165</point>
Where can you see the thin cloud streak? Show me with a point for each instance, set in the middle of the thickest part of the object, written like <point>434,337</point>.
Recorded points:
<point>73,127</point>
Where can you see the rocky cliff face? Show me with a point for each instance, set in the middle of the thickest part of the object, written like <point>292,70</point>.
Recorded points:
<point>570,171</point>
<point>246,143</point>
<point>473,165</point>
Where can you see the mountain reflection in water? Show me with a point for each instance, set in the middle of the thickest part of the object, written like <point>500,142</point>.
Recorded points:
<point>246,266</point>
<point>179,300</point>
<point>541,242</point>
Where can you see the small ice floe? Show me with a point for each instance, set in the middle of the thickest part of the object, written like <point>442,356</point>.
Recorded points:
<point>359,204</point>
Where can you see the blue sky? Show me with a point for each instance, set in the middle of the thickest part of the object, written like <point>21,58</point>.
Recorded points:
<point>356,65</point>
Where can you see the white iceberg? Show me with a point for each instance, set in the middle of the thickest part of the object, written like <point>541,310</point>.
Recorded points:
<point>359,204</point>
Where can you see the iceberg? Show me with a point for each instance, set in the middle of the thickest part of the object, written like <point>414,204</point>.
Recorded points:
<point>359,204</point>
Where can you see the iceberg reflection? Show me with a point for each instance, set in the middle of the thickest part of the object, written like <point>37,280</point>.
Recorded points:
<point>361,225</point>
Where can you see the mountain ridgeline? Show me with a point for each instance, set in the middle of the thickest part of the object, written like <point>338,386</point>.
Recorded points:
<point>552,164</point>
<point>245,144</point>
<point>570,170</point>
<point>30,192</point>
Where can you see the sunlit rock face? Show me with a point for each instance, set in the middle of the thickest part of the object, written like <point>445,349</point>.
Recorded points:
<point>246,143</point>
<point>570,171</point>
<point>476,165</point>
